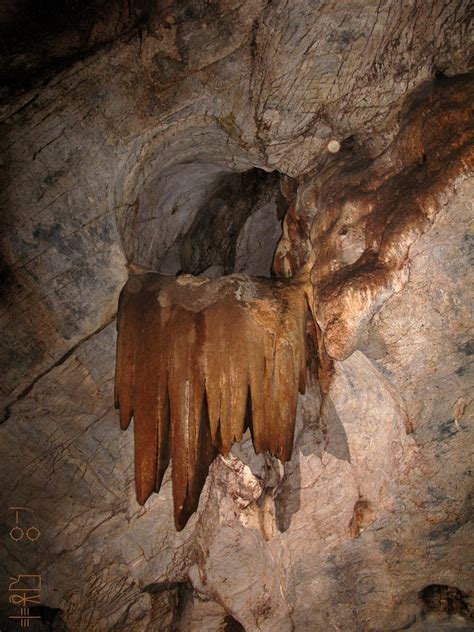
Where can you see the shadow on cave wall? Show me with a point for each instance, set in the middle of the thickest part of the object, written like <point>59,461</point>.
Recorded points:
<point>212,238</point>
<point>322,431</point>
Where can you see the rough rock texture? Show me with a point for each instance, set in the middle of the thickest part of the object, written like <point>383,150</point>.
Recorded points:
<point>232,86</point>
<point>367,527</point>
<point>359,218</point>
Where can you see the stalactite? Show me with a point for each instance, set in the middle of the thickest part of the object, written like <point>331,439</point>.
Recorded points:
<point>199,362</point>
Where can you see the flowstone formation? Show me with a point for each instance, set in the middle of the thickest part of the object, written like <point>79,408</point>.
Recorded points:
<point>198,363</point>
<point>358,217</point>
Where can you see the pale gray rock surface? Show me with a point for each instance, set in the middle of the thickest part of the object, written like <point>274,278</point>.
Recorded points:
<point>108,163</point>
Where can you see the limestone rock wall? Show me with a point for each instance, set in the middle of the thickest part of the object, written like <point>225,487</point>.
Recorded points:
<point>367,528</point>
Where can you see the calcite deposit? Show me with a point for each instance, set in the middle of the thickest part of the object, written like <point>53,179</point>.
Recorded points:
<point>175,137</point>
<point>357,218</point>
<point>198,363</point>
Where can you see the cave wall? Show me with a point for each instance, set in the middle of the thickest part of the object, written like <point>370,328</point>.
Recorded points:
<point>255,85</point>
<point>119,152</point>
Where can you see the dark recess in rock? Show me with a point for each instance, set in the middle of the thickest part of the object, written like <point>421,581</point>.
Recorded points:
<point>441,598</point>
<point>231,625</point>
<point>50,617</point>
<point>212,238</point>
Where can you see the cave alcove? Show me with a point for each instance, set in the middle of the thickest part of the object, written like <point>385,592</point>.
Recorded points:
<point>202,218</point>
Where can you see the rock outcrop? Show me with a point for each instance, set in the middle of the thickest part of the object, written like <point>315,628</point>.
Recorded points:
<point>113,146</point>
